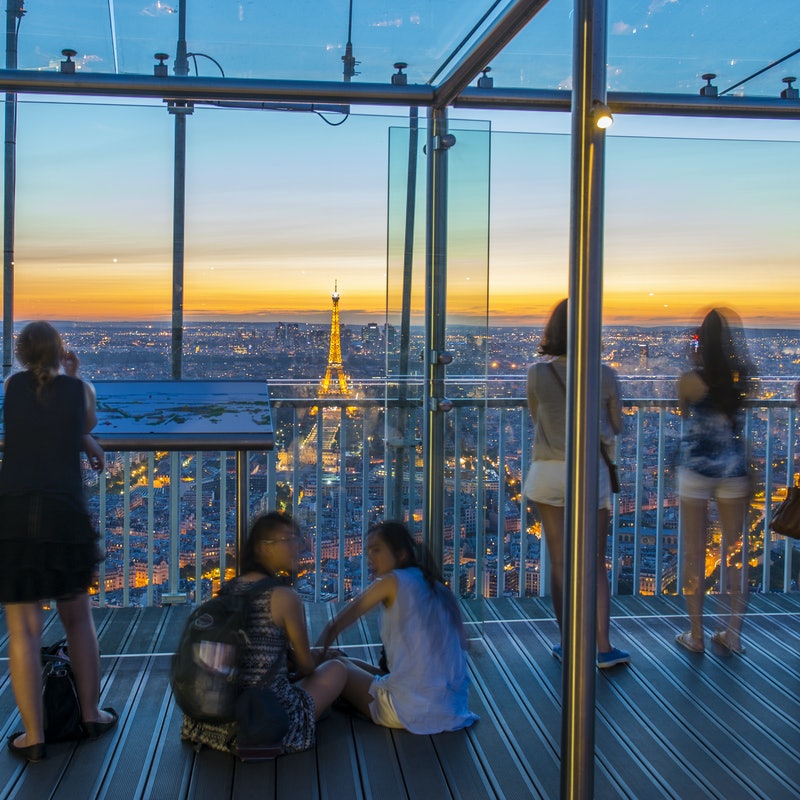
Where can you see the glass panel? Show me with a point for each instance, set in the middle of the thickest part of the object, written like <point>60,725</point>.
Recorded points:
<point>94,231</point>
<point>662,46</point>
<point>466,474</point>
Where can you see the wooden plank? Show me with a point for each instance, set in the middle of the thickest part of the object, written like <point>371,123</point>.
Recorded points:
<point>381,773</point>
<point>337,762</point>
<point>212,776</point>
<point>462,767</point>
<point>297,775</point>
<point>253,779</point>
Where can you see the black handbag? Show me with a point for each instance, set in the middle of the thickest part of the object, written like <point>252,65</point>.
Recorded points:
<point>786,518</point>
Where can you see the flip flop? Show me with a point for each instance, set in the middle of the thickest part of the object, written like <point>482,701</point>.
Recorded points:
<point>688,642</point>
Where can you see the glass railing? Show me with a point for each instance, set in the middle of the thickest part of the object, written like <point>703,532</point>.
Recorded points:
<point>170,518</point>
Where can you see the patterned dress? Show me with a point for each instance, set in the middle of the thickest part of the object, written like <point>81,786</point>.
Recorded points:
<point>267,642</point>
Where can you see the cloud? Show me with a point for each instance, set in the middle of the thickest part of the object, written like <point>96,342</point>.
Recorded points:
<point>620,29</point>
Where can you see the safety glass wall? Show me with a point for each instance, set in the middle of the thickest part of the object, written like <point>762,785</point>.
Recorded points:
<point>468,474</point>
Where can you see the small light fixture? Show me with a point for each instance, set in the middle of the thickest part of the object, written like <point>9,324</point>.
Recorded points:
<point>485,82</point>
<point>790,93</point>
<point>602,115</point>
<point>708,90</point>
<point>68,66</point>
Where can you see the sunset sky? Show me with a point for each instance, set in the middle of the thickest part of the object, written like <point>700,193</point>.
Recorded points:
<point>282,205</point>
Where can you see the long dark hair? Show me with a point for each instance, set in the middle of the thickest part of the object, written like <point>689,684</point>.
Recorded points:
<point>554,337</point>
<point>724,362</point>
<point>408,554</point>
<point>263,529</point>
<point>40,349</point>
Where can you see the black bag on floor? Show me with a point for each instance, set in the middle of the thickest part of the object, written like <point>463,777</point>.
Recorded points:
<point>62,710</point>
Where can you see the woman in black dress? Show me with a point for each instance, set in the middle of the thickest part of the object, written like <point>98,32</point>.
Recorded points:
<point>48,548</point>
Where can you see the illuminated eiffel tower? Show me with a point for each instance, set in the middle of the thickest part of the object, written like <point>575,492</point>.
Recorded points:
<point>328,386</point>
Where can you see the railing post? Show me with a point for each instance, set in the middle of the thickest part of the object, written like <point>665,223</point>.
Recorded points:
<point>435,319</point>
<point>242,504</point>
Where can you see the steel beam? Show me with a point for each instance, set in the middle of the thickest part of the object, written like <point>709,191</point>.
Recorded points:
<point>510,22</point>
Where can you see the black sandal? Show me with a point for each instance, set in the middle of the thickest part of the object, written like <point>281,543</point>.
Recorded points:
<point>94,730</point>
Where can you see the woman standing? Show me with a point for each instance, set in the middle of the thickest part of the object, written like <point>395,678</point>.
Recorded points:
<point>48,548</point>
<point>546,481</point>
<point>713,464</point>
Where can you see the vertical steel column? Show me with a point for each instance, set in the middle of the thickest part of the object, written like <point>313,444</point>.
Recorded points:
<point>403,431</point>
<point>180,111</point>
<point>198,527</point>
<point>13,13</point>
<point>583,417</point>
<point>435,318</point>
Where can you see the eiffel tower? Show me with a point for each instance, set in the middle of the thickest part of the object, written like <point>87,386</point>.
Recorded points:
<point>328,386</point>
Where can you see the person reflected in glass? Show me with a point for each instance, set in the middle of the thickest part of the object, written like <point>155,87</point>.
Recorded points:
<point>276,642</point>
<point>48,546</point>
<point>422,686</point>
<point>713,465</point>
<point>545,484</point>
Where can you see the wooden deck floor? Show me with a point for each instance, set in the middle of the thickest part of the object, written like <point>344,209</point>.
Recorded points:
<point>672,725</point>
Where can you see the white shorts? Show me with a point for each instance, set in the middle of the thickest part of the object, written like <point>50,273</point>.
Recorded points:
<point>381,709</point>
<point>547,483</point>
<point>694,486</point>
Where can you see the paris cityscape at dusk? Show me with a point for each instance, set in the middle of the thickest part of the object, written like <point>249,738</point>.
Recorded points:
<point>291,357</point>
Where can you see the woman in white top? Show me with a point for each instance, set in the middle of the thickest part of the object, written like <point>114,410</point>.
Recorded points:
<point>546,482</point>
<point>424,685</point>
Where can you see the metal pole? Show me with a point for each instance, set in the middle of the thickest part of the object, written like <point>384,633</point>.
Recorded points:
<point>180,111</point>
<point>435,316</point>
<point>402,430</point>
<point>583,406</point>
<point>14,12</point>
<point>242,510</point>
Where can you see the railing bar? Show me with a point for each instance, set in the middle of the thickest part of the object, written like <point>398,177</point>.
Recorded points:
<point>480,506</point>
<point>458,553</point>
<point>365,498</point>
<point>318,509</point>
<point>223,515</point>
<point>523,505</point>
<point>501,506</point>
<point>126,530</point>
<point>660,501</point>
<point>103,531</point>
<point>198,527</point>
<point>614,531</point>
<point>150,525</point>
<point>342,499</point>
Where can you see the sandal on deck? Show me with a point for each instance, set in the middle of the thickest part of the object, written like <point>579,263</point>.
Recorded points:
<point>688,642</point>
<point>721,638</point>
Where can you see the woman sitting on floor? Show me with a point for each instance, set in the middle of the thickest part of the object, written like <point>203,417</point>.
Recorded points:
<point>277,624</point>
<point>424,686</point>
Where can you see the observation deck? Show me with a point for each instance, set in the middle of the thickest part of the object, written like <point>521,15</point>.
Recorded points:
<point>671,725</point>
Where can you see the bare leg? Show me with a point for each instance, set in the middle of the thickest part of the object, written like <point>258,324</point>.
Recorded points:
<point>732,520</point>
<point>24,622</point>
<point>76,616</point>
<point>603,589</point>
<point>553,526</point>
<point>693,523</point>
<point>356,690</point>
<point>325,684</point>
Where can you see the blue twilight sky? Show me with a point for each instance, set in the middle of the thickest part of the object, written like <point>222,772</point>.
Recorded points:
<point>280,205</point>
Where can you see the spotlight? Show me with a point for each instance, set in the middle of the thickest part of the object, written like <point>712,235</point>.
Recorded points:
<point>602,115</point>
<point>789,93</point>
<point>485,82</point>
<point>160,70</point>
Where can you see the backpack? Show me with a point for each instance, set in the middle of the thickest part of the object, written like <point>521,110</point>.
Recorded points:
<point>62,710</point>
<point>205,668</point>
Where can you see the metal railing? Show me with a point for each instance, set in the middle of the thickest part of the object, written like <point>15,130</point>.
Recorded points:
<point>170,518</point>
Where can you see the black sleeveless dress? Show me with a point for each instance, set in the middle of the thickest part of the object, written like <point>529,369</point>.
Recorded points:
<point>48,548</point>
